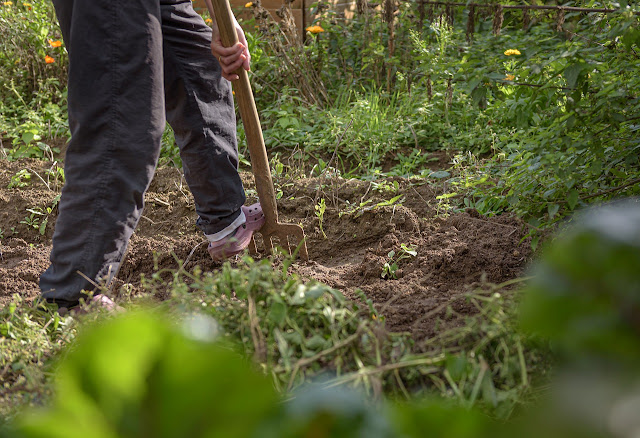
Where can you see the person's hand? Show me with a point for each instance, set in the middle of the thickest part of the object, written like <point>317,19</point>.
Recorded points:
<point>231,58</point>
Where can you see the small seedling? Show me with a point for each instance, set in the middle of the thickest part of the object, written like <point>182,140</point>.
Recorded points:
<point>320,209</point>
<point>56,174</point>
<point>395,200</point>
<point>33,220</point>
<point>20,179</point>
<point>385,186</point>
<point>36,219</point>
<point>390,268</point>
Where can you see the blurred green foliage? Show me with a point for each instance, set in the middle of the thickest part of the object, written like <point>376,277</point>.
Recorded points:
<point>140,376</point>
<point>585,295</point>
<point>585,298</point>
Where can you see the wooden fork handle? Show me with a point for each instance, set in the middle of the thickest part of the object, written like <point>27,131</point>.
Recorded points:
<point>221,11</point>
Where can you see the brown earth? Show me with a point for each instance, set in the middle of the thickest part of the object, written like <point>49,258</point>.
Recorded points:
<point>454,253</point>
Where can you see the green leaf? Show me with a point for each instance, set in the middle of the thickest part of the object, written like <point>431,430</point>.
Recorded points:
<point>315,292</point>
<point>473,84</point>
<point>534,242</point>
<point>456,366</point>
<point>488,390</point>
<point>553,210</point>
<point>28,137</point>
<point>572,199</point>
<point>439,174</point>
<point>572,73</point>
<point>478,95</point>
<point>316,342</point>
<point>278,313</point>
<point>43,226</point>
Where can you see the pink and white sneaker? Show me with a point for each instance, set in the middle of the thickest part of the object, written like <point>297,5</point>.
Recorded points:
<point>238,241</point>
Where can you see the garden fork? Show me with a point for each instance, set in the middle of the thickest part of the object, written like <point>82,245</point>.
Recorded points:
<point>221,10</point>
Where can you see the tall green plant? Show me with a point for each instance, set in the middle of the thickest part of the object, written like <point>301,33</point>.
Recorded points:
<point>33,63</point>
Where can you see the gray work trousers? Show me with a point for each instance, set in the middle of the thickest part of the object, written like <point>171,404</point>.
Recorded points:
<point>134,64</point>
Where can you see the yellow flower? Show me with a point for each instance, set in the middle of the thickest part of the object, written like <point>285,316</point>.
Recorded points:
<point>510,52</point>
<point>49,60</point>
<point>509,78</point>
<point>27,5</point>
<point>7,3</point>
<point>248,5</point>
<point>56,43</point>
<point>315,29</point>
<point>208,20</point>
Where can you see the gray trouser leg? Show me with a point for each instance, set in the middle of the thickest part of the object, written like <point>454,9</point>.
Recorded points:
<point>200,110</point>
<point>117,116</point>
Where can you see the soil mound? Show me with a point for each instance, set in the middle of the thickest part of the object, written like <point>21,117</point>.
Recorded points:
<point>368,226</point>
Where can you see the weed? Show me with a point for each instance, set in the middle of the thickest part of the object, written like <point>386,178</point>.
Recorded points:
<point>320,208</point>
<point>359,209</point>
<point>33,220</point>
<point>39,217</point>
<point>20,179</point>
<point>55,176</point>
<point>385,186</point>
<point>29,336</point>
<point>169,150</point>
<point>390,268</point>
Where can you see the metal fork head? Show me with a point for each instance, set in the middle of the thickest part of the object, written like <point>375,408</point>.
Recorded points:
<point>284,233</point>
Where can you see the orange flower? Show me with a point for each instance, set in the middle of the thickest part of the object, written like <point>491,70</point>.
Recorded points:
<point>208,20</point>
<point>56,43</point>
<point>49,60</point>
<point>315,29</point>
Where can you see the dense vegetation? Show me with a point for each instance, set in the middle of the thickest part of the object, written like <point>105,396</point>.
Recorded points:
<point>539,113</point>
<point>539,108</point>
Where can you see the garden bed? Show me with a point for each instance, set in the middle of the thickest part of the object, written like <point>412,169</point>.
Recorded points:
<point>363,222</point>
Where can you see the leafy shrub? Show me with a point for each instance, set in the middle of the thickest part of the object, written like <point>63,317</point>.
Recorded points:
<point>33,75</point>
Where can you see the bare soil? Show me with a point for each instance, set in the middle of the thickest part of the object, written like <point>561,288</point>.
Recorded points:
<point>455,252</point>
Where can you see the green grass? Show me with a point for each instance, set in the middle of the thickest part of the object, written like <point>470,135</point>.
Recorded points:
<point>30,336</point>
<point>300,332</point>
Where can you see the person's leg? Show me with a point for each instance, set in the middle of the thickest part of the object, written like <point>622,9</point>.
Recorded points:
<point>200,110</point>
<point>116,116</point>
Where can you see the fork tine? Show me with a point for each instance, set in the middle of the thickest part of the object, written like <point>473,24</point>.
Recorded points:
<point>253,250</point>
<point>268,244</point>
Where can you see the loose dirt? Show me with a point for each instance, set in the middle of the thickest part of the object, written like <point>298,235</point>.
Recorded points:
<point>454,253</point>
